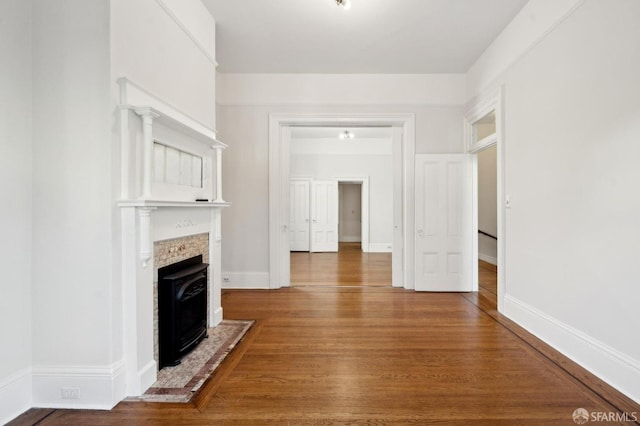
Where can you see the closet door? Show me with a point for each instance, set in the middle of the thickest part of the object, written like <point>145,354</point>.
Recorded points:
<point>299,223</point>
<point>324,216</point>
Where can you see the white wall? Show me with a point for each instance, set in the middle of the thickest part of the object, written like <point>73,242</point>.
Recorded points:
<point>379,169</point>
<point>72,282</point>
<point>244,105</point>
<point>15,209</point>
<point>487,205</point>
<point>167,47</point>
<point>572,126</point>
<point>60,176</point>
<point>341,89</point>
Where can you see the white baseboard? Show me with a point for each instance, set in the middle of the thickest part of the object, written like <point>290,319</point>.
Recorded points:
<point>99,388</point>
<point>245,280</point>
<point>15,394</point>
<point>217,317</point>
<point>380,248</point>
<point>614,367</point>
<point>147,376</point>
<point>488,259</point>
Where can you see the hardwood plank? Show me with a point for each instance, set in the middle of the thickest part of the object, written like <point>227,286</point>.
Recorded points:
<point>31,417</point>
<point>348,267</point>
<point>373,355</point>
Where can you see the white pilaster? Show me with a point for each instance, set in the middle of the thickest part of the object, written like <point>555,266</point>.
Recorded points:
<point>146,244</point>
<point>219,198</point>
<point>147,151</point>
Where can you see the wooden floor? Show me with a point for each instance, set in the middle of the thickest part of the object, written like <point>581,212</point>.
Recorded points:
<point>488,279</point>
<point>373,355</point>
<point>348,267</point>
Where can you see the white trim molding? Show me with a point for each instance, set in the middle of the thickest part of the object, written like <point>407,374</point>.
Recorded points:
<point>15,394</point>
<point>617,369</point>
<point>489,259</point>
<point>98,388</point>
<point>134,96</point>
<point>380,248</point>
<point>279,140</point>
<point>481,107</point>
<point>209,55</point>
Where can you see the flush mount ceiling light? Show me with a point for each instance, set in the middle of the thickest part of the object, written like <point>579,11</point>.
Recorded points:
<point>346,135</point>
<point>344,3</point>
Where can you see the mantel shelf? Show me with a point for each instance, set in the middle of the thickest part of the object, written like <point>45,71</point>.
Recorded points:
<point>139,100</point>
<point>185,204</point>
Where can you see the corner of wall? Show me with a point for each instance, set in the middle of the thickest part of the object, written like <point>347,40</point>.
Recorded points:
<point>532,24</point>
<point>15,394</point>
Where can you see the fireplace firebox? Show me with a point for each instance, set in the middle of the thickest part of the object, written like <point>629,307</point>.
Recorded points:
<point>182,309</point>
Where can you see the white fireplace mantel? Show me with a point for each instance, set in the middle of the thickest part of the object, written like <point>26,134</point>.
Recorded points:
<point>145,209</point>
<point>151,109</point>
<point>150,213</point>
<point>161,203</point>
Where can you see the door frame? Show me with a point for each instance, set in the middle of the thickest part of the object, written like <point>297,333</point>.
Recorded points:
<point>493,101</point>
<point>279,169</point>
<point>364,207</point>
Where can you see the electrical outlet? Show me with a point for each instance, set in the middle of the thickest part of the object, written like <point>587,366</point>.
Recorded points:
<point>226,279</point>
<point>70,393</point>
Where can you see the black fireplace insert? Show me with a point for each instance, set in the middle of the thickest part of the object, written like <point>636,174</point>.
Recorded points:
<point>182,308</point>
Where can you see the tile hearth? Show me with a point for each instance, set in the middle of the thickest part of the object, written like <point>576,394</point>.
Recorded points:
<point>181,383</point>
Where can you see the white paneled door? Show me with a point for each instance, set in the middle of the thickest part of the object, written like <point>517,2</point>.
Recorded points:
<point>443,223</point>
<point>299,221</point>
<point>324,216</point>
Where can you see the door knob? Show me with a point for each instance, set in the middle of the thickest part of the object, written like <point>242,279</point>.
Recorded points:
<point>420,233</point>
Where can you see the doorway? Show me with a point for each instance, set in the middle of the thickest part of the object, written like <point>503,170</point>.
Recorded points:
<point>487,223</point>
<point>346,209</point>
<point>350,213</point>
<point>403,141</point>
<point>485,142</point>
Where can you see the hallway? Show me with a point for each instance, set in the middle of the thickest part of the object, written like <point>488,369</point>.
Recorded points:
<point>348,267</point>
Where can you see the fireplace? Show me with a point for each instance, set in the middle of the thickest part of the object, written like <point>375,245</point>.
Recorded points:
<point>182,308</point>
<point>161,223</point>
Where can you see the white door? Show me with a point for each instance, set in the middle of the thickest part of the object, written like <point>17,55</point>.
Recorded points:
<point>299,222</point>
<point>443,223</point>
<point>324,216</point>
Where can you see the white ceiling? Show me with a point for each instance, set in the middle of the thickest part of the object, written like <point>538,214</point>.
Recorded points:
<point>374,36</point>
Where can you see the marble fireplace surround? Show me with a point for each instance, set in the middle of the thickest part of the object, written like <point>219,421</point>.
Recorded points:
<point>172,251</point>
<point>151,216</point>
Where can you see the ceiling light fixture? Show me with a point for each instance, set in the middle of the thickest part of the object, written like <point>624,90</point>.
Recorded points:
<point>346,135</point>
<point>344,3</point>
